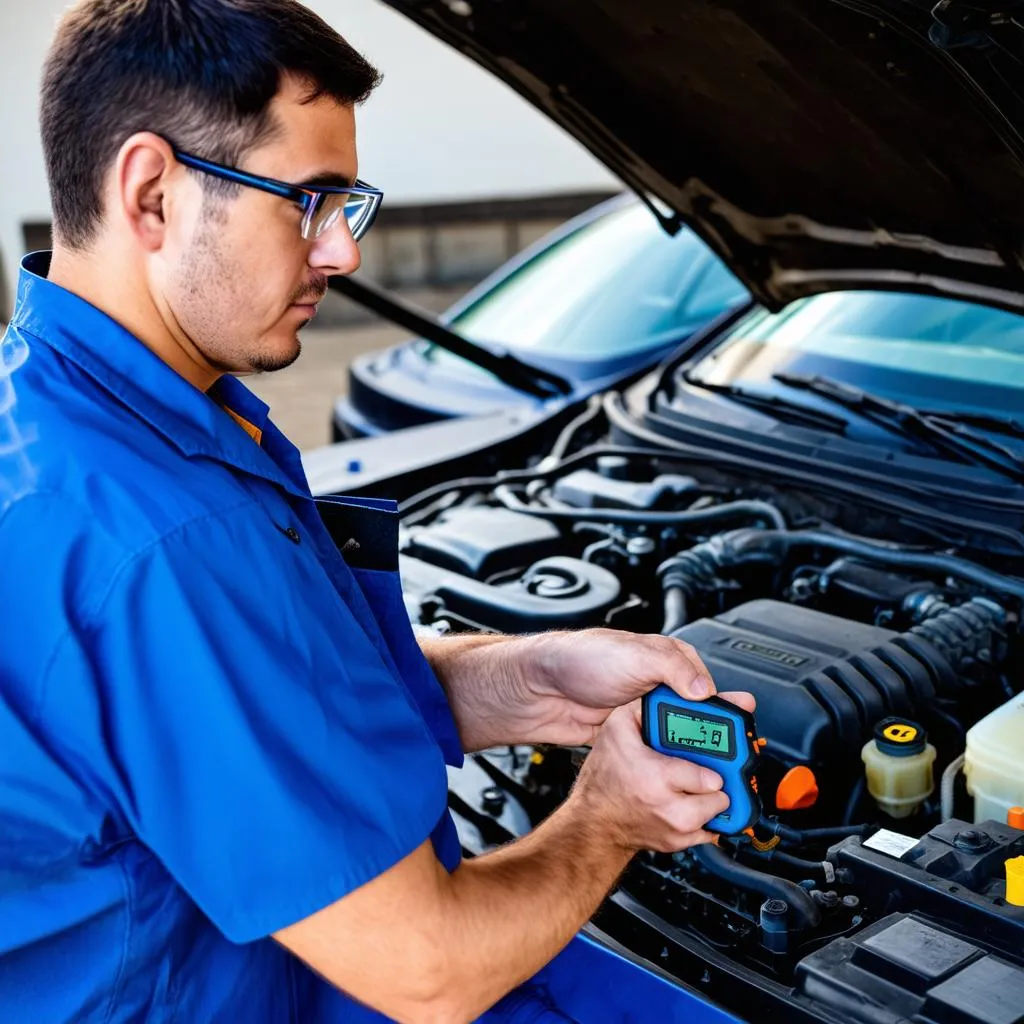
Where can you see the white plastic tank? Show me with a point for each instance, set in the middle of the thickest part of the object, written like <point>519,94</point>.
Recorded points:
<point>994,761</point>
<point>899,766</point>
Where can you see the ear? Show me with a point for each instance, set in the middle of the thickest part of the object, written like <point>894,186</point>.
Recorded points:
<point>145,175</point>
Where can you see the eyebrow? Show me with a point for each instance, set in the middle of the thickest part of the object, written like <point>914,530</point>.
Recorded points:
<point>327,180</point>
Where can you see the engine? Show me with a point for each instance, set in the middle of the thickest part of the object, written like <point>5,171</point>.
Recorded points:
<point>846,625</point>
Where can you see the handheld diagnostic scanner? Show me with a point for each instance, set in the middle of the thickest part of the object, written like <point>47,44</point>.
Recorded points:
<point>714,734</point>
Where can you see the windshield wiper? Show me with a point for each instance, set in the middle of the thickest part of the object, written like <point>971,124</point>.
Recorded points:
<point>531,380</point>
<point>983,420</point>
<point>941,433</point>
<point>775,405</point>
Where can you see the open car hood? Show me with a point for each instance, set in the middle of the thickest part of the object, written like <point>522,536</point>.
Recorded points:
<point>815,144</point>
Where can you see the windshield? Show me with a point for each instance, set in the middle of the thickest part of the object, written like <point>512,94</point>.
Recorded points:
<point>930,352</point>
<point>616,286</point>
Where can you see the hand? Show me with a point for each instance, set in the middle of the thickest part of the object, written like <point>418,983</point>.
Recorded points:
<point>642,800</point>
<point>569,683</point>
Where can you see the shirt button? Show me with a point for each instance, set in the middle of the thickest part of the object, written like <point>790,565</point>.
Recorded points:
<point>291,533</point>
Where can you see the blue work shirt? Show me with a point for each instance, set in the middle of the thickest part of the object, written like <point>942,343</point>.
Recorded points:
<point>211,725</point>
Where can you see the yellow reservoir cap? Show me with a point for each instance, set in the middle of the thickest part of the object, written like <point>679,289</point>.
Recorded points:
<point>900,732</point>
<point>1015,882</point>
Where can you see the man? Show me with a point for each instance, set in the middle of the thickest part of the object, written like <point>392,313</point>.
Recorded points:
<point>215,732</point>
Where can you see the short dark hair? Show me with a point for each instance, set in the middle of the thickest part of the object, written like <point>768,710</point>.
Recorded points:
<point>201,73</point>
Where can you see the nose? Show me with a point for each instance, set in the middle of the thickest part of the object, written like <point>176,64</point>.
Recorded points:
<point>335,251</point>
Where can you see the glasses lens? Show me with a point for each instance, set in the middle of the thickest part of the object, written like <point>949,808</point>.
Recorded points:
<point>332,206</point>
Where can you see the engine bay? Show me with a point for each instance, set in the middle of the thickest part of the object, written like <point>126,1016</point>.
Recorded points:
<point>883,882</point>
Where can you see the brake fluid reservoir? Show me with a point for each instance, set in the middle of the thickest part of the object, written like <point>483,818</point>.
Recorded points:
<point>994,761</point>
<point>898,763</point>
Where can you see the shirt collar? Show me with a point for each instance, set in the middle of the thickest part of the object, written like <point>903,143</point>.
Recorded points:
<point>132,373</point>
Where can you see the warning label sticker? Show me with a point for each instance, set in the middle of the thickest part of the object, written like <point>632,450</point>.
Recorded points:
<point>891,843</point>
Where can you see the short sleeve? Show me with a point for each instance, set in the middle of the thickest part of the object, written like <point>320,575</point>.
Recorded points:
<point>246,726</point>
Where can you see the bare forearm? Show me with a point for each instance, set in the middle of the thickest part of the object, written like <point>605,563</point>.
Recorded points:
<point>423,946</point>
<point>515,909</point>
<point>479,686</point>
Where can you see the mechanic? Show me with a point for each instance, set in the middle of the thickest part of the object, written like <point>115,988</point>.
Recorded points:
<point>222,753</point>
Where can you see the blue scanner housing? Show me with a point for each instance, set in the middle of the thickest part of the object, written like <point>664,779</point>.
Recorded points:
<point>715,734</point>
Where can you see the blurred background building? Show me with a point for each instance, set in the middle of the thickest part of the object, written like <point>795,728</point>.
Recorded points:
<point>471,173</point>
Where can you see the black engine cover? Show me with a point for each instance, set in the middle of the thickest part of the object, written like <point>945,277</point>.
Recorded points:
<point>821,682</point>
<point>479,542</point>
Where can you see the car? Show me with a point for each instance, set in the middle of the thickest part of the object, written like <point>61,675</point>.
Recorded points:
<point>822,493</point>
<point>598,301</point>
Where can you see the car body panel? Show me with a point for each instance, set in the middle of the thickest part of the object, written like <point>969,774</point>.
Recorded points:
<point>595,979</point>
<point>361,466</point>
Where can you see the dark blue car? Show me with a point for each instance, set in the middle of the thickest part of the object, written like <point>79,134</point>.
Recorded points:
<point>598,301</point>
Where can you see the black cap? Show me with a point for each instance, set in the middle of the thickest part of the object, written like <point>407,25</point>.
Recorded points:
<point>900,737</point>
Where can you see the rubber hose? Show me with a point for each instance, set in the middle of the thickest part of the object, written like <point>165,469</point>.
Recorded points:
<point>857,795</point>
<point>946,787</point>
<point>762,511</point>
<point>815,869</point>
<point>807,835</point>
<point>594,408</point>
<point>947,564</point>
<point>965,631</point>
<point>675,610</point>
<point>806,913</point>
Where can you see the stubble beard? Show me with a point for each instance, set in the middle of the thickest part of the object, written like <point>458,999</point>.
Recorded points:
<point>211,282</point>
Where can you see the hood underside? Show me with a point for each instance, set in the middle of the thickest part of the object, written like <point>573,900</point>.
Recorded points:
<point>815,144</point>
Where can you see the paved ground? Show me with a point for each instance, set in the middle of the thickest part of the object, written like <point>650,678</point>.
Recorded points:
<point>300,398</point>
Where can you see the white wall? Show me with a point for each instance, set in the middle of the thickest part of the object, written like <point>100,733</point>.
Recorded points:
<point>25,30</point>
<point>439,128</point>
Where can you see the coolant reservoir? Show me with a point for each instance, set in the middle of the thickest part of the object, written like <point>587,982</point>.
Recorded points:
<point>994,761</point>
<point>898,764</point>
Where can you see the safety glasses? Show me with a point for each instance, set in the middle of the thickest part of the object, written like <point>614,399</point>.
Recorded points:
<point>323,205</point>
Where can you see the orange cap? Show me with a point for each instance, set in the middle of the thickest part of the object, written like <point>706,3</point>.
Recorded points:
<point>797,790</point>
<point>1015,817</point>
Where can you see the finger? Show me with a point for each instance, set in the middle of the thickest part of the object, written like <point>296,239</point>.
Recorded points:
<point>685,777</point>
<point>682,669</point>
<point>699,669</point>
<point>692,655</point>
<point>679,775</point>
<point>685,840</point>
<point>694,812</point>
<point>698,838</point>
<point>740,698</point>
